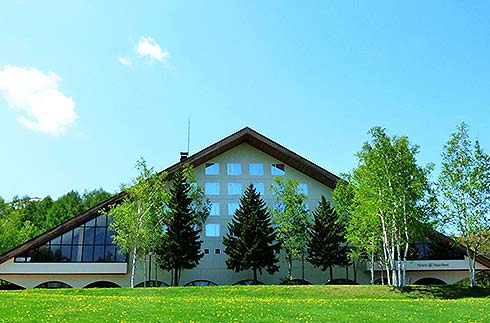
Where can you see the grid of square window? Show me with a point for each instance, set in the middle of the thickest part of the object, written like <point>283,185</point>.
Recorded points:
<point>235,169</point>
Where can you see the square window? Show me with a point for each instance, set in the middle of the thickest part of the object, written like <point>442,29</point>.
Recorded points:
<point>206,251</point>
<point>211,188</point>
<point>232,207</point>
<point>256,169</point>
<point>234,169</point>
<point>234,188</point>
<point>302,188</point>
<point>214,211</point>
<point>211,169</point>
<point>277,170</point>
<point>212,230</point>
<point>259,187</point>
<point>217,251</point>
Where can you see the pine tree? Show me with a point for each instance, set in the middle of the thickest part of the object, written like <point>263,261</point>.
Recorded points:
<point>180,246</point>
<point>327,244</point>
<point>251,240</point>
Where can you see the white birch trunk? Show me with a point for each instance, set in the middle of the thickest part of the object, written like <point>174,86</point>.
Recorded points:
<point>133,267</point>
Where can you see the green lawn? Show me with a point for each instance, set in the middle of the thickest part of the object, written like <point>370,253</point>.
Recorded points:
<point>248,304</point>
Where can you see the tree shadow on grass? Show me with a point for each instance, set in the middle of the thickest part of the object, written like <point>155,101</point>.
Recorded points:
<point>445,291</point>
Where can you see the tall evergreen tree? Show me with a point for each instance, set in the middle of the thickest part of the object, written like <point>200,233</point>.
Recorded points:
<point>180,247</point>
<point>251,240</point>
<point>327,244</point>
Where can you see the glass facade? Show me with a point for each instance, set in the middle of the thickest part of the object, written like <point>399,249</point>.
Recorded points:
<point>89,242</point>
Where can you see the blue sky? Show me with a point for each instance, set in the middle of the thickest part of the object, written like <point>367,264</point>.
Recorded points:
<point>87,87</point>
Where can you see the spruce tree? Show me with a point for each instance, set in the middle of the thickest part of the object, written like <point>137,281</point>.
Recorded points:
<point>251,240</point>
<point>180,246</point>
<point>327,244</point>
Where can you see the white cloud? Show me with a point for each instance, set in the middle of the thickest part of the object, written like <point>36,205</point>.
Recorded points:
<point>43,106</point>
<point>147,46</point>
<point>125,61</point>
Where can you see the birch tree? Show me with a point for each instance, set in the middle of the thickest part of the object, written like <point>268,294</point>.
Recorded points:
<point>465,193</point>
<point>387,191</point>
<point>133,219</point>
<point>291,219</point>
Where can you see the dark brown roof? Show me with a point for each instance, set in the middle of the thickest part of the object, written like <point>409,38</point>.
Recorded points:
<point>245,135</point>
<point>266,145</point>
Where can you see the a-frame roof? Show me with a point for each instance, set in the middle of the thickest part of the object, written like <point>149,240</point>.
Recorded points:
<point>245,135</point>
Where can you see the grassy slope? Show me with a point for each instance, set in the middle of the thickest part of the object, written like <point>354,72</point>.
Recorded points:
<point>247,304</point>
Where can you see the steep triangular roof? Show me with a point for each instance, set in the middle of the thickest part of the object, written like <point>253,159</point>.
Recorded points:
<point>245,135</point>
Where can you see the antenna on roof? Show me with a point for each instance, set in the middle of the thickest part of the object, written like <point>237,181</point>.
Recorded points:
<point>188,134</point>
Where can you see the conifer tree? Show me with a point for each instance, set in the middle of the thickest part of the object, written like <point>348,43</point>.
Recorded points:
<point>251,240</point>
<point>180,246</point>
<point>327,244</point>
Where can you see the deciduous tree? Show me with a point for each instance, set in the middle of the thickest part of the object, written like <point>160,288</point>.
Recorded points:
<point>291,218</point>
<point>465,193</point>
<point>133,219</point>
<point>384,201</point>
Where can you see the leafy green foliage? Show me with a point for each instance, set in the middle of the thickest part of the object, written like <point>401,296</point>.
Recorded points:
<point>464,183</point>
<point>133,220</point>
<point>291,218</point>
<point>251,239</point>
<point>384,201</point>
<point>327,245</point>
<point>185,212</point>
